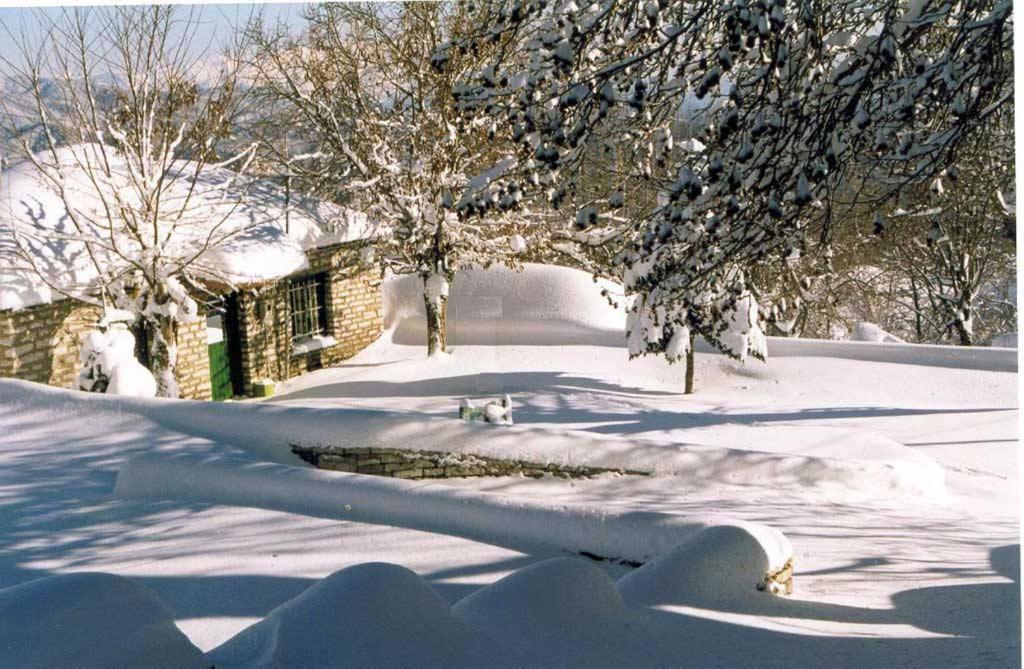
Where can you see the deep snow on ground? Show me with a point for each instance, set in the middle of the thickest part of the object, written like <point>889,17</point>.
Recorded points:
<point>889,578</point>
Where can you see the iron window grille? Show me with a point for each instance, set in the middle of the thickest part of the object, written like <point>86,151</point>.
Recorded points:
<point>307,304</point>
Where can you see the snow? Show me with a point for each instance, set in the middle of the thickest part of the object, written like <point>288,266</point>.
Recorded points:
<point>487,517</point>
<point>314,343</point>
<point>1005,340</point>
<point>871,332</point>
<point>369,615</point>
<point>268,234</point>
<point>505,306</point>
<point>90,621</point>
<point>821,454</point>
<point>108,360</point>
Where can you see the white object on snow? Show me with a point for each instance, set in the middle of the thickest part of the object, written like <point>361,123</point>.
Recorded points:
<point>870,332</point>
<point>90,621</point>
<point>130,377</point>
<point>517,243</point>
<point>499,412</point>
<point>542,304</point>
<point>568,597</point>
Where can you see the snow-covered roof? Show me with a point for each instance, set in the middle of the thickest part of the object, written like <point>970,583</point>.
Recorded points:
<point>264,234</point>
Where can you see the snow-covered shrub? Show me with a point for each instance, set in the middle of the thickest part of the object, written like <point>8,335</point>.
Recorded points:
<point>871,332</point>
<point>108,360</point>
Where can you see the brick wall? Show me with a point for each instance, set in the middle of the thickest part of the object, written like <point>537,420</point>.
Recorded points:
<point>354,317</point>
<point>41,344</point>
<point>193,372</point>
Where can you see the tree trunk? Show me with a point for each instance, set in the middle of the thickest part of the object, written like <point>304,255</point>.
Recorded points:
<point>163,354</point>
<point>689,364</point>
<point>963,333</point>
<point>437,312</point>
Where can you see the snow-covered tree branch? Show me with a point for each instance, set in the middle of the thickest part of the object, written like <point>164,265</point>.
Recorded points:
<point>738,121</point>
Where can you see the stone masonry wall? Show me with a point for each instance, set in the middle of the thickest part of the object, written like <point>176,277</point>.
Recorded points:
<point>193,372</point>
<point>41,344</point>
<point>354,318</point>
<point>404,464</point>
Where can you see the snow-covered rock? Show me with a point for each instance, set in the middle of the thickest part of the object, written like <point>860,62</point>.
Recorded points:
<point>90,621</point>
<point>369,615</point>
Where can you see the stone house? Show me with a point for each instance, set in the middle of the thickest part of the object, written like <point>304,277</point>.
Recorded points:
<point>301,296</point>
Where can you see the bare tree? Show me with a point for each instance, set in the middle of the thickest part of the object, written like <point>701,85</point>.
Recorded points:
<point>131,128</point>
<point>376,126</point>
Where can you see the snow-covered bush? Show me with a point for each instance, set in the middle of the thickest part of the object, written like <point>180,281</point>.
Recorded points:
<point>108,360</point>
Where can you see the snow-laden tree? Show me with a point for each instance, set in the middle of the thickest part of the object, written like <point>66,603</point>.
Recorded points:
<point>934,264</point>
<point>743,116</point>
<point>371,123</point>
<point>961,261</point>
<point>128,154</point>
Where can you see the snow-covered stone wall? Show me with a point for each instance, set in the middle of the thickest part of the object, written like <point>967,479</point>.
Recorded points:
<point>405,464</point>
<point>41,344</point>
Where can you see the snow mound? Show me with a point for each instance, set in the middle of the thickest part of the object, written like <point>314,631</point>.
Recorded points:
<point>871,332</point>
<point>565,612</point>
<point>542,304</point>
<point>369,615</point>
<point>90,620</point>
<point>722,563</point>
<point>565,597</point>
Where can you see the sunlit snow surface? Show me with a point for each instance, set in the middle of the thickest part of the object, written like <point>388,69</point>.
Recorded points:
<point>888,578</point>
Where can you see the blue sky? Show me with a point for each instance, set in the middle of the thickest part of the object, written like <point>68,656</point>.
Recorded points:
<point>216,20</point>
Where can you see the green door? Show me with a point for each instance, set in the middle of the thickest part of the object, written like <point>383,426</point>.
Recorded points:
<point>220,371</point>
<point>221,387</point>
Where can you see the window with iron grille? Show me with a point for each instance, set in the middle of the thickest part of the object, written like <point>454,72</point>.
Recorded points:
<point>307,303</point>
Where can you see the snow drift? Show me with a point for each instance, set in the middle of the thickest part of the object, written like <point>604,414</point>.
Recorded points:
<point>369,615</point>
<point>90,621</point>
<point>542,304</point>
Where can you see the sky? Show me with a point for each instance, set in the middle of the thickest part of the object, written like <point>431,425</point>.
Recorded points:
<point>216,23</point>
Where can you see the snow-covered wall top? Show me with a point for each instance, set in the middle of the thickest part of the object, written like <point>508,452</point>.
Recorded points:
<point>263,233</point>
